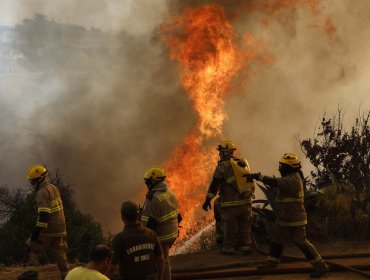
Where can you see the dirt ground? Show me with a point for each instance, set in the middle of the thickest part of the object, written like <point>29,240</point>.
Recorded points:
<point>201,261</point>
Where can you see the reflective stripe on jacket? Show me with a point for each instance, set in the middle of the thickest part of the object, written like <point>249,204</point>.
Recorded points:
<point>163,208</point>
<point>227,186</point>
<point>290,201</point>
<point>48,201</point>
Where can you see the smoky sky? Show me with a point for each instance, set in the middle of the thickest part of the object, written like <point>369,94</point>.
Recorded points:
<point>100,100</point>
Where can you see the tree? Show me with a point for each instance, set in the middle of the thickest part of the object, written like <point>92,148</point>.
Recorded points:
<point>343,154</point>
<point>17,211</point>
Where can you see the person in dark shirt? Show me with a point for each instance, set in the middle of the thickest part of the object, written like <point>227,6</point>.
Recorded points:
<point>137,253</point>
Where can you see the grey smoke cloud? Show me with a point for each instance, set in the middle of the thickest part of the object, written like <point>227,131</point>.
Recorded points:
<point>312,74</point>
<point>103,105</point>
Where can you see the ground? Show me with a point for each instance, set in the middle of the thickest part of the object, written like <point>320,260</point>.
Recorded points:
<point>211,259</point>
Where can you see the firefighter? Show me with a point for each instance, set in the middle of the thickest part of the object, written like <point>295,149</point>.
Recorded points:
<point>161,212</point>
<point>137,250</point>
<point>235,199</point>
<point>50,230</point>
<point>291,214</point>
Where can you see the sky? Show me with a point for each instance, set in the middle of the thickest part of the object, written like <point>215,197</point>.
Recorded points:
<point>104,125</point>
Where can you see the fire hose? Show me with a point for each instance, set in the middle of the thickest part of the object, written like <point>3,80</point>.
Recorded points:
<point>216,271</point>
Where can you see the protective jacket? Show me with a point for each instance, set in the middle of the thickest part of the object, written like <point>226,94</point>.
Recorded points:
<point>161,212</point>
<point>50,211</point>
<point>289,199</point>
<point>225,182</point>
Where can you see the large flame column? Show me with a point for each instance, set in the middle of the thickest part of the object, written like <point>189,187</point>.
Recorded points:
<point>201,40</point>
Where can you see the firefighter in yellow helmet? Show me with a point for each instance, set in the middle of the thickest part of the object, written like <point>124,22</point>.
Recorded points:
<point>291,214</point>
<point>235,199</point>
<point>50,229</point>
<point>161,212</point>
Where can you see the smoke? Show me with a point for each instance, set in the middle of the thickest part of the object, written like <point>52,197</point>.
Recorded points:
<point>313,72</point>
<point>103,103</point>
<point>100,107</point>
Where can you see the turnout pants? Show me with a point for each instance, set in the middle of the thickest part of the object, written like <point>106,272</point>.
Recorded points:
<point>298,235</point>
<point>217,213</point>
<point>166,245</point>
<point>57,246</point>
<point>237,222</point>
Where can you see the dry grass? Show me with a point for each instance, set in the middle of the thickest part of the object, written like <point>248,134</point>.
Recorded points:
<point>339,215</point>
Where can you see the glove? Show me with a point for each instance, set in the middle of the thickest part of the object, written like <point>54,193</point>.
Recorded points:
<point>207,204</point>
<point>179,218</point>
<point>252,176</point>
<point>35,234</point>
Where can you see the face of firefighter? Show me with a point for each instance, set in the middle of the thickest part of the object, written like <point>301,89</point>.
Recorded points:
<point>224,154</point>
<point>36,182</point>
<point>149,183</point>
<point>285,169</point>
<point>33,183</point>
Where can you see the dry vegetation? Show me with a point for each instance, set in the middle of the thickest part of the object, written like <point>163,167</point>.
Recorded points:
<point>340,214</point>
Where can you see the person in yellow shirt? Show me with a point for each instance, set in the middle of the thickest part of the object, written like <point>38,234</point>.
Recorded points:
<point>99,261</point>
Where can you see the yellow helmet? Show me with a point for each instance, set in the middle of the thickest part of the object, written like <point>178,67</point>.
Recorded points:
<point>291,160</point>
<point>226,146</point>
<point>154,173</point>
<point>36,171</point>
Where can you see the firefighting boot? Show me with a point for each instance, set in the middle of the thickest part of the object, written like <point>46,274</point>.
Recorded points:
<point>246,250</point>
<point>320,268</point>
<point>276,251</point>
<point>268,265</point>
<point>224,251</point>
<point>219,240</point>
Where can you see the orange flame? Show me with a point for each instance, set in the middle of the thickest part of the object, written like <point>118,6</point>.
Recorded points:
<point>208,57</point>
<point>202,41</point>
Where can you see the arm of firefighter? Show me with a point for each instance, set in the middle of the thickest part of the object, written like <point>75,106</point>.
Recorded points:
<point>213,188</point>
<point>179,218</point>
<point>42,223</point>
<point>270,181</point>
<point>43,209</point>
<point>152,223</point>
<point>267,180</point>
<point>43,217</point>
